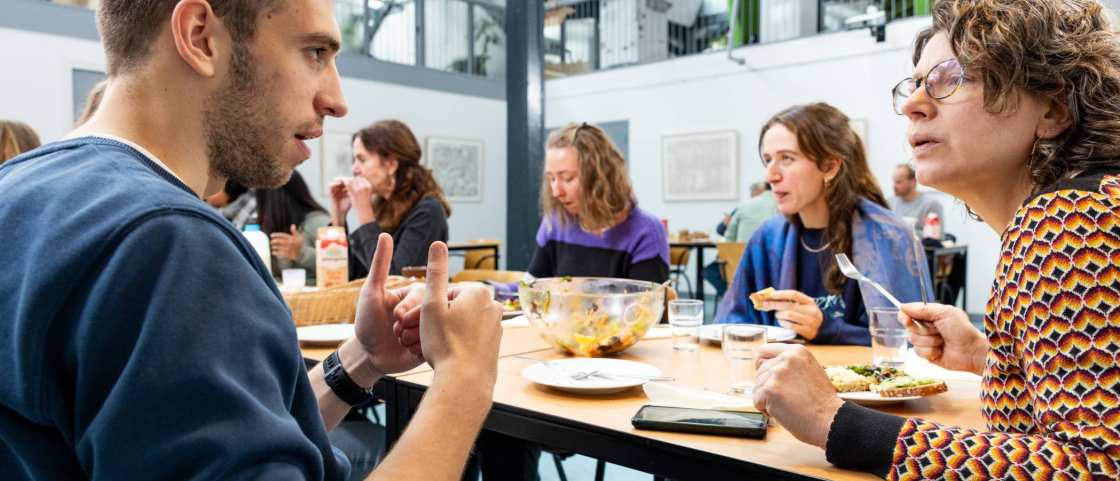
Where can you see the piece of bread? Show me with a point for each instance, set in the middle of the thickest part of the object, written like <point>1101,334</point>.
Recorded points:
<point>846,380</point>
<point>761,296</point>
<point>904,386</point>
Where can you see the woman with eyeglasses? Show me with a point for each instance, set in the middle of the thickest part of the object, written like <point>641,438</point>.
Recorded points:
<point>830,204</point>
<point>1014,107</point>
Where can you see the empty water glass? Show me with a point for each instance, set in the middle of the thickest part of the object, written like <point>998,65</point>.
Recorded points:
<point>293,279</point>
<point>740,347</point>
<point>888,338</point>
<point>685,319</point>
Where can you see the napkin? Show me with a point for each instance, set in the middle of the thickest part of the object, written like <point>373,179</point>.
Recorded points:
<point>664,394</point>
<point>919,367</point>
<point>519,321</point>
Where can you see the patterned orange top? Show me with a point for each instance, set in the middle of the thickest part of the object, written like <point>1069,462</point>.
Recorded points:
<point>1051,389</point>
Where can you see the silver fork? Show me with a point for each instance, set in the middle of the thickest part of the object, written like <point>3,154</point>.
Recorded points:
<point>580,376</point>
<point>585,375</point>
<point>849,270</point>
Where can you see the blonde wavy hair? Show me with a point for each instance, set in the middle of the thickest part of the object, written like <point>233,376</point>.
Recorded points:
<point>605,189</point>
<point>1062,51</point>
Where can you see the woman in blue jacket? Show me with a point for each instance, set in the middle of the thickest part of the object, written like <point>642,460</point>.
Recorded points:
<point>831,204</point>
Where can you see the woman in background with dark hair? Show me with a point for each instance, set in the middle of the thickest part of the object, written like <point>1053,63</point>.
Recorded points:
<point>291,218</point>
<point>389,192</point>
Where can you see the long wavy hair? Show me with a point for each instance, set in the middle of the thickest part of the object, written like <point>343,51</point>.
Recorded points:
<point>605,189</point>
<point>278,209</point>
<point>392,139</point>
<point>16,138</point>
<point>1059,51</point>
<point>824,133</point>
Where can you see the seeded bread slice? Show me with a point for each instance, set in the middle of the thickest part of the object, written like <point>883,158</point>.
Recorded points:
<point>905,386</point>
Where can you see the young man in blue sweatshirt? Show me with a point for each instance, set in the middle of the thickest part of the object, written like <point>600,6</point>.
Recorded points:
<point>140,335</point>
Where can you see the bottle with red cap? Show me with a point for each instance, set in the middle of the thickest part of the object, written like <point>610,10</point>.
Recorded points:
<point>932,227</point>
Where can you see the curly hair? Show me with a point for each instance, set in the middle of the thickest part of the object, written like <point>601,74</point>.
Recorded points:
<point>412,182</point>
<point>1061,51</point>
<point>823,133</point>
<point>604,184</point>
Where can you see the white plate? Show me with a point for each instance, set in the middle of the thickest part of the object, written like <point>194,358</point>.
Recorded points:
<point>509,314</point>
<point>325,334</point>
<point>714,333</point>
<point>868,398</point>
<point>558,374</point>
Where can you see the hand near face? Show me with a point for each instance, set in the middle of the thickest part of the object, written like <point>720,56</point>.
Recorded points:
<point>795,311</point>
<point>947,338</point>
<point>792,387</point>
<point>340,200</point>
<point>287,245</point>
<point>374,324</point>
<point>361,193</point>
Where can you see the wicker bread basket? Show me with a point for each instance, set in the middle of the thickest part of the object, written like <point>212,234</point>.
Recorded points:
<point>332,306</point>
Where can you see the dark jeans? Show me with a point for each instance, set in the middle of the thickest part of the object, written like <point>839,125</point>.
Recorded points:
<point>503,458</point>
<point>714,276</point>
<point>363,443</point>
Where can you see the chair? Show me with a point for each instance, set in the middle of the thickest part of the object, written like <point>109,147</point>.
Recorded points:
<point>678,264</point>
<point>478,275</point>
<point>482,258</point>
<point>730,254</point>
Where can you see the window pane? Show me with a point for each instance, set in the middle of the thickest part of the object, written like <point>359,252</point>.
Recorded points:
<point>445,35</point>
<point>350,15</point>
<point>394,25</point>
<point>489,42</point>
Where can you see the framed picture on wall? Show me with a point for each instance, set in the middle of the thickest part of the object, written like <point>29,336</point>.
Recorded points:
<point>336,159</point>
<point>82,82</point>
<point>700,166</point>
<point>457,166</point>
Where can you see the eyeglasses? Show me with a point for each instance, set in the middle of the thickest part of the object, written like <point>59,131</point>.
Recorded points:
<point>941,82</point>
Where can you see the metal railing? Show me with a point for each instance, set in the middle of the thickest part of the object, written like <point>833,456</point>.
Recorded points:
<point>465,36</point>
<point>588,35</point>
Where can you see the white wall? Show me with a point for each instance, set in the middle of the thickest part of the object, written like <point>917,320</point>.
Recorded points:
<point>708,92</point>
<point>38,91</point>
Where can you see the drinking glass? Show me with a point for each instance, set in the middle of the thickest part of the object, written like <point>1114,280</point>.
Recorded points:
<point>740,347</point>
<point>294,279</point>
<point>888,338</point>
<point>685,318</point>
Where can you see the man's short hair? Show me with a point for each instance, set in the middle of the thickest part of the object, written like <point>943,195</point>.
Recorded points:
<point>910,172</point>
<point>129,27</point>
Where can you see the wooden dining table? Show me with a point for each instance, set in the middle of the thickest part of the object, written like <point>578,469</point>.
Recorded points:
<point>599,425</point>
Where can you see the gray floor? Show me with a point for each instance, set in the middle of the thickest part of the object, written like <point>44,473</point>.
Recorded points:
<point>580,468</point>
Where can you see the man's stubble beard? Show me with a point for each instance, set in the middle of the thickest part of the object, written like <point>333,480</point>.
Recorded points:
<point>243,143</point>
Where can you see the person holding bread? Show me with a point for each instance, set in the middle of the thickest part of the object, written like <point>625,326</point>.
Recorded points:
<point>816,166</point>
<point>1012,108</point>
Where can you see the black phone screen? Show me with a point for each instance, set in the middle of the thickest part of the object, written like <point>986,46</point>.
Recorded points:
<point>702,417</point>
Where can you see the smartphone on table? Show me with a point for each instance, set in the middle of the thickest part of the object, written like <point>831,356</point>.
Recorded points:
<point>703,421</point>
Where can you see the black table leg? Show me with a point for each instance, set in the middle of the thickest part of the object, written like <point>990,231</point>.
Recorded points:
<point>699,274</point>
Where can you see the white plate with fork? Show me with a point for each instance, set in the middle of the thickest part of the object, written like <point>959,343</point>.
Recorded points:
<point>591,375</point>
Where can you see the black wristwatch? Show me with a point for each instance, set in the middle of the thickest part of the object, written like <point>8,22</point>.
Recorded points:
<point>341,384</point>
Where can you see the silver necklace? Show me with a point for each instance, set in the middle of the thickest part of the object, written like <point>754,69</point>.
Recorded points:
<point>817,250</point>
